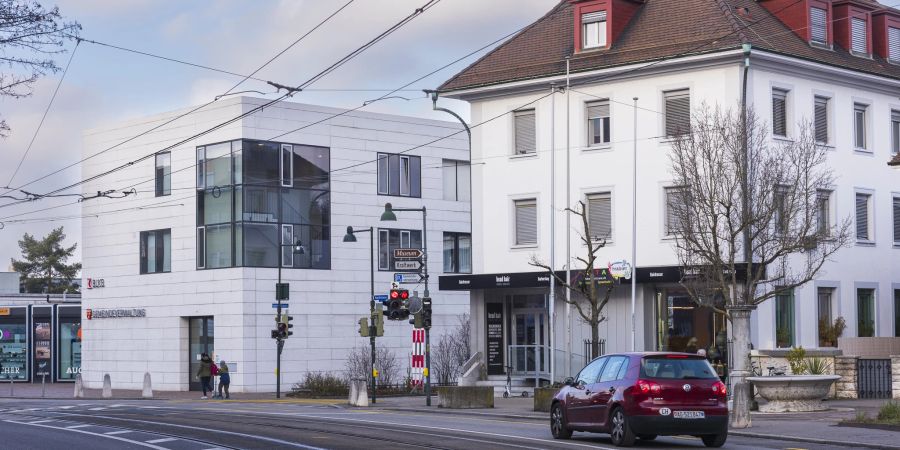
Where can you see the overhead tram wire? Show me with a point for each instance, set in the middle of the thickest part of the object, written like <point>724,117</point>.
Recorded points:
<point>193,110</point>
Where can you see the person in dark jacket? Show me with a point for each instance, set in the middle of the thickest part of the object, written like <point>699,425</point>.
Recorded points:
<point>224,379</point>
<point>204,373</point>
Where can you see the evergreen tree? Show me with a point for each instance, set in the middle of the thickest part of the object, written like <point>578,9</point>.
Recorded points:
<point>44,264</point>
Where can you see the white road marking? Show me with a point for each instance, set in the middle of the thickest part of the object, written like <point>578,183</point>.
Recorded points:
<point>160,441</point>
<point>72,427</point>
<point>41,421</point>
<point>67,407</point>
<point>96,409</point>
<point>73,430</point>
<point>113,433</point>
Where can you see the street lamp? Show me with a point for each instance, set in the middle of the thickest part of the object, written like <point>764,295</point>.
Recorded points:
<point>389,216</point>
<point>298,249</point>
<point>351,237</point>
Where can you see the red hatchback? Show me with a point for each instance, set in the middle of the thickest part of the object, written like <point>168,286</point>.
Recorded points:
<point>642,395</point>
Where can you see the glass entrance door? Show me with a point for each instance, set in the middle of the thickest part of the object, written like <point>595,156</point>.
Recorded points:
<point>201,341</point>
<point>530,340</point>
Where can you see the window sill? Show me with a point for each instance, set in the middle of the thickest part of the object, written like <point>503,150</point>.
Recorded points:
<point>597,148</point>
<point>861,55</point>
<point>865,243</point>
<point>523,156</point>
<point>897,245</point>
<point>827,145</point>
<point>401,196</point>
<point>863,151</point>
<point>821,45</point>
<point>593,49</point>
<point>523,247</point>
<point>154,273</point>
<point>669,139</point>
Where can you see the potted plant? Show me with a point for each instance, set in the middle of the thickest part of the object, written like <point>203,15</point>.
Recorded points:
<point>802,391</point>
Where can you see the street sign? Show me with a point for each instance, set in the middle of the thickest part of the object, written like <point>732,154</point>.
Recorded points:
<point>408,278</point>
<point>407,253</point>
<point>412,265</point>
<point>282,305</point>
<point>380,298</point>
<point>415,305</point>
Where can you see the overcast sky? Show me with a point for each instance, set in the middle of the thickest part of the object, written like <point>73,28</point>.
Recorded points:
<point>106,85</point>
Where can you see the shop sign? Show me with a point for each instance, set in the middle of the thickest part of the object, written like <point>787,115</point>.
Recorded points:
<point>620,269</point>
<point>114,313</point>
<point>494,323</point>
<point>4,311</point>
<point>93,283</point>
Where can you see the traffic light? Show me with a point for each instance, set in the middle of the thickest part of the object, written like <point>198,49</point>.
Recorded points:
<point>363,327</point>
<point>379,321</point>
<point>417,321</point>
<point>426,312</point>
<point>398,304</point>
<point>284,326</point>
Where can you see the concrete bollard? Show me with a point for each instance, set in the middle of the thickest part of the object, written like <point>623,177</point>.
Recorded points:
<point>148,390</point>
<point>79,387</point>
<point>43,386</point>
<point>107,386</point>
<point>359,395</point>
<point>11,384</point>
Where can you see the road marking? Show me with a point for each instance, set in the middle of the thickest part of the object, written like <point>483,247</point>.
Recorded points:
<point>73,430</point>
<point>40,421</point>
<point>96,409</point>
<point>72,427</point>
<point>160,441</point>
<point>113,433</point>
<point>67,407</point>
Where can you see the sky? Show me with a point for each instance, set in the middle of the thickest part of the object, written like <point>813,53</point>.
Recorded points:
<point>105,85</point>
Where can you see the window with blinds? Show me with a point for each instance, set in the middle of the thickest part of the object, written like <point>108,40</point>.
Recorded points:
<point>858,40</point>
<point>593,30</point>
<point>677,112</point>
<point>859,125</point>
<point>526,221</point>
<point>598,122</point>
<point>895,131</point>
<point>599,209</point>
<point>675,207</point>
<point>863,227</point>
<point>779,112</point>
<point>896,208</point>
<point>818,26</point>
<point>525,132</point>
<point>894,45</point>
<point>823,212</point>
<point>782,214</point>
<point>820,118</point>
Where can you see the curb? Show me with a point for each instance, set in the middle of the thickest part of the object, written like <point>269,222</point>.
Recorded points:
<point>812,440</point>
<point>464,412</point>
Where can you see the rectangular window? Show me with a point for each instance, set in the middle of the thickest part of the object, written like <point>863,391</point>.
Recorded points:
<point>818,26</point>
<point>399,175</point>
<point>865,312</point>
<point>163,174</point>
<point>525,134</point>
<point>599,210</point>
<point>895,132</point>
<point>201,167</point>
<point>526,222</point>
<point>593,30</point>
<point>894,45</point>
<point>287,245</point>
<point>858,37</point>
<point>782,217</point>
<point>823,212</point>
<point>896,312</point>
<point>863,211</point>
<point>391,239</point>
<point>784,320</point>
<point>287,165</point>
<point>896,211</point>
<point>779,112</point>
<point>156,251</point>
<point>457,253</point>
<point>820,116</point>
<point>457,180</point>
<point>598,123</point>
<point>675,209</point>
<point>859,125</point>
<point>677,112</point>
<point>826,317</point>
<point>201,247</point>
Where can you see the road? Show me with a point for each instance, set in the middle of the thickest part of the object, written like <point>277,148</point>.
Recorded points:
<point>206,425</point>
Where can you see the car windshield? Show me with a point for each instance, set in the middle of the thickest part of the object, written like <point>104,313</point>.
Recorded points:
<point>678,369</point>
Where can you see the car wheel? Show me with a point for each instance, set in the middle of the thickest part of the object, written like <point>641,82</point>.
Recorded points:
<point>714,440</point>
<point>646,437</point>
<point>558,423</point>
<point>619,430</point>
<point>524,394</point>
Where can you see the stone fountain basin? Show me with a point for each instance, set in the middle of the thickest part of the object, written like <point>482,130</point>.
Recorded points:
<point>793,393</point>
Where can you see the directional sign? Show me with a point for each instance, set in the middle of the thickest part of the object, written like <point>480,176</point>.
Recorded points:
<point>413,265</point>
<point>380,298</point>
<point>408,278</point>
<point>282,305</point>
<point>407,253</point>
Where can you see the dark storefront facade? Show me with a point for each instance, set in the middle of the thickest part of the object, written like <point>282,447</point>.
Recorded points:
<point>40,342</point>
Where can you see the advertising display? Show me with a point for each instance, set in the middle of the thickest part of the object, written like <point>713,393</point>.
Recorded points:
<point>13,347</point>
<point>494,338</point>
<point>42,348</point>
<point>69,348</point>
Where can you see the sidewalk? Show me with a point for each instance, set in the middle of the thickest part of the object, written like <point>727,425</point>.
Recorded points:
<point>65,391</point>
<point>815,428</point>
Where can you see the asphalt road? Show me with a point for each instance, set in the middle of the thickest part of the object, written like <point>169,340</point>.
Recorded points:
<point>205,425</point>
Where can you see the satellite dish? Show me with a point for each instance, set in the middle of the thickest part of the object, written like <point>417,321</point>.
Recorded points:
<point>415,305</point>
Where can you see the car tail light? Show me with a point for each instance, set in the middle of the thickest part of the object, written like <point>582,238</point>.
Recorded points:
<point>677,356</point>
<point>648,387</point>
<point>720,388</point>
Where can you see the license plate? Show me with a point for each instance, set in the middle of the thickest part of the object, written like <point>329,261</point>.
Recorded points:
<point>689,414</point>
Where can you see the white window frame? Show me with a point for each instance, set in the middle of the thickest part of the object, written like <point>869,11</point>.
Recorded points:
<point>674,93</point>
<point>602,28</point>
<point>515,127</point>
<point>516,202</point>
<point>668,234</point>
<point>859,107</point>
<point>405,177</point>
<point>608,194</point>
<point>895,218</point>
<point>870,216</point>
<point>784,94</point>
<point>812,27</point>
<point>605,128</point>
<point>895,131</point>
<point>383,158</point>
<point>828,107</point>
<point>829,213</point>
<point>201,167</point>
<point>865,23</point>
<point>290,169</point>
<point>893,37</point>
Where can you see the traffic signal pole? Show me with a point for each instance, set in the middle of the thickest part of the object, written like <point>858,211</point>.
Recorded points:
<point>427,295</point>
<point>373,327</point>
<point>279,344</point>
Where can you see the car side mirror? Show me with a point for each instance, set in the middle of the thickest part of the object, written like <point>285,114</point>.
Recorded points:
<point>569,381</point>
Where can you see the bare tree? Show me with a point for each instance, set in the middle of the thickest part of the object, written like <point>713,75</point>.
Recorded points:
<point>591,286</point>
<point>747,219</point>
<point>451,351</point>
<point>30,36</point>
<point>359,364</point>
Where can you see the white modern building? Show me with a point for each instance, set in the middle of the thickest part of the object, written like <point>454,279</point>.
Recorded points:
<point>187,263</point>
<point>836,63</point>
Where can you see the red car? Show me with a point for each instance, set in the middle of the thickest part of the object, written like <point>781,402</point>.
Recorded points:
<point>642,395</point>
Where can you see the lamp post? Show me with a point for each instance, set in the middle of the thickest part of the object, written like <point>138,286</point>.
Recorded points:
<point>389,216</point>
<point>279,341</point>
<point>351,237</point>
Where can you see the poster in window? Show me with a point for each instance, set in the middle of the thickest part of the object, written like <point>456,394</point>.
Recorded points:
<point>13,350</point>
<point>42,336</point>
<point>69,346</point>
<point>494,323</point>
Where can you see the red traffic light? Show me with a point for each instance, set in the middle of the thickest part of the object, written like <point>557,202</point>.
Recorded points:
<point>395,293</point>
<point>402,294</point>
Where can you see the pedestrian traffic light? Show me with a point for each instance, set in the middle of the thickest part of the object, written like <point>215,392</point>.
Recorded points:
<point>284,326</point>
<point>379,321</point>
<point>426,312</point>
<point>398,304</point>
<point>363,327</point>
<point>417,321</point>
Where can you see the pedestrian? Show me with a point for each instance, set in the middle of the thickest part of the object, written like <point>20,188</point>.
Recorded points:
<point>204,373</point>
<point>213,372</point>
<point>224,379</point>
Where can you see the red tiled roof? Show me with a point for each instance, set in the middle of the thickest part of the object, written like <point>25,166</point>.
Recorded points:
<point>661,29</point>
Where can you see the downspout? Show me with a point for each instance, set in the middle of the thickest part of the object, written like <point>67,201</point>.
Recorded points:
<point>568,328</point>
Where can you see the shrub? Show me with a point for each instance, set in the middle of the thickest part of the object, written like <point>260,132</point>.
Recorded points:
<point>889,412</point>
<point>359,364</point>
<point>795,358</point>
<point>829,333</point>
<point>322,384</point>
<point>816,366</point>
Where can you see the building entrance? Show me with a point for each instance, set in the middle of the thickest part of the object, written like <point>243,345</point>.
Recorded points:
<point>530,335</point>
<point>201,341</point>
<point>686,326</point>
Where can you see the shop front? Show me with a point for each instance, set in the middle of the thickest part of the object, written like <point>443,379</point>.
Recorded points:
<point>40,342</point>
<point>14,344</point>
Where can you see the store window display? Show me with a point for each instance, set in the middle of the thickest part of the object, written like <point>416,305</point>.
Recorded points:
<point>69,348</point>
<point>13,351</point>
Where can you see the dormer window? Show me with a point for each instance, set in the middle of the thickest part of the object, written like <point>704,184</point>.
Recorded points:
<point>858,41</point>
<point>593,30</point>
<point>818,26</point>
<point>894,45</point>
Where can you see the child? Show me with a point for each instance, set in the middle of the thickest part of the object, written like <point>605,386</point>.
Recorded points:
<point>224,379</point>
